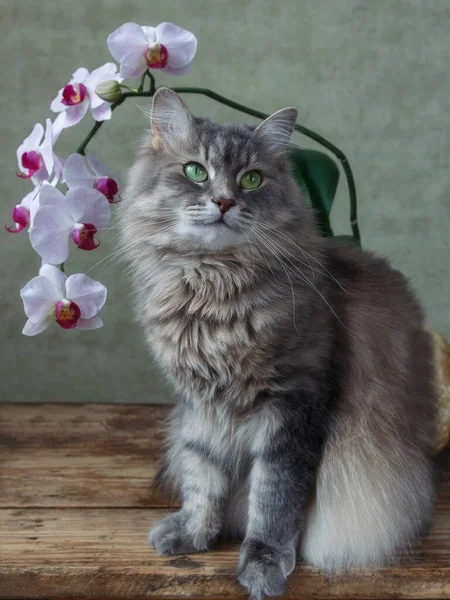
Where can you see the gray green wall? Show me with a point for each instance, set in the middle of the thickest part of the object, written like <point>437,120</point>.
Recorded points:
<point>372,76</point>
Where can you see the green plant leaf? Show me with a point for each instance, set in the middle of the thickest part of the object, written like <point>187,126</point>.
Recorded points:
<point>345,239</point>
<point>317,174</point>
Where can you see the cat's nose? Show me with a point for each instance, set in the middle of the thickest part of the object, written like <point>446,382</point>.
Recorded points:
<point>224,204</point>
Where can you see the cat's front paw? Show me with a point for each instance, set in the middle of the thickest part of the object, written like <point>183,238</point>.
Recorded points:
<point>263,569</point>
<point>173,535</point>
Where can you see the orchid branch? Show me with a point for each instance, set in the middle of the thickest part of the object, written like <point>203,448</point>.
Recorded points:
<point>55,220</point>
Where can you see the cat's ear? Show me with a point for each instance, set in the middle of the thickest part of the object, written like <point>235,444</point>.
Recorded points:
<point>276,130</point>
<point>170,119</point>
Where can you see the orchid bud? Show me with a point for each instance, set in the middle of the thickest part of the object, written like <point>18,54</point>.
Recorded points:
<point>109,90</point>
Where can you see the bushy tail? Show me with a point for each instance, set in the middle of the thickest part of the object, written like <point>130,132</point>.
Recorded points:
<point>373,499</point>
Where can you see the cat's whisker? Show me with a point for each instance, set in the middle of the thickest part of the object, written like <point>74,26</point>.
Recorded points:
<point>325,270</point>
<point>260,253</point>
<point>287,275</point>
<point>284,236</point>
<point>276,231</point>
<point>303,276</point>
<point>120,250</point>
<point>251,247</point>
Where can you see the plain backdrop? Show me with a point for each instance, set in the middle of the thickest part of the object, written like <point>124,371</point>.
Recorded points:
<point>370,75</point>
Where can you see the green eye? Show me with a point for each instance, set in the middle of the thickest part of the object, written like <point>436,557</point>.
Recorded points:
<point>250,180</point>
<point>195,172</point>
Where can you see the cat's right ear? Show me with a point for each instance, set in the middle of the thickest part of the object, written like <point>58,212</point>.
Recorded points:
<point>170,119</point>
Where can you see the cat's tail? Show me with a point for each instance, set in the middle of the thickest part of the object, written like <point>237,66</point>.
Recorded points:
<point>373,499</point>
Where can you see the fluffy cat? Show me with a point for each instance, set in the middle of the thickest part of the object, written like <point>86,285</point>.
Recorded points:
<point>306,409</point>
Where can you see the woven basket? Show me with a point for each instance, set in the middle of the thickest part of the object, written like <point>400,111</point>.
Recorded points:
<point>442,380</point>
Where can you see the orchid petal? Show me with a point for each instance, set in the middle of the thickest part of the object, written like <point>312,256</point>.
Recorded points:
<point>132,70</point>
<point>57,104</point>
<point>34,139</point>
<point>51,196</point>
<point>76,172</point>
<point>49,235</point>
<point>39,296</point>
<point>57,277</point>
<point>104,73</point>
<point>149,33</point>
<point>59,170</point>
<point>127,41</point>
<point>181,71</point>
<point>31,201</point>
<point>94,322</point>
<point>80,75</point>
<point>31,198</point>
<point>74,114</point>
<point>59,124</point>
<point>90,295</point>
<point>30,143</point>
<point>181,44</point>
<point>99,168</point>
<point>102,112</point>
<point>31,328</point>
<point>40,176</point>
<point>47,147</point>
<point>88,206</point>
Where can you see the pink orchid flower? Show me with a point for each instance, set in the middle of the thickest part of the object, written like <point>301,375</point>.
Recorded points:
<point>77,174</point>
<point>166,47</point>
<point>70,301</point>
<point>79,215</point>
<point>35,155</point>
<point>23,213</point>
<point>74,99</point>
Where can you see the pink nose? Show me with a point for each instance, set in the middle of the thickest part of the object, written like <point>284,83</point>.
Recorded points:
<point>224,204</point>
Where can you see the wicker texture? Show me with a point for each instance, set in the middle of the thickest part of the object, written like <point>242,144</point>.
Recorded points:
<point>442,380</point>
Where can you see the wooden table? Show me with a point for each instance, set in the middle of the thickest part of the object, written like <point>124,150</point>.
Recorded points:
<point>76,502</point>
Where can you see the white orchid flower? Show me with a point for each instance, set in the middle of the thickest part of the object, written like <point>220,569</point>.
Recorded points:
<point>70,301</point>
<point>74,99</point>
<point>78,215</point>
<point>166,47</point>
<point>77,174</point>
<point>35,156</point>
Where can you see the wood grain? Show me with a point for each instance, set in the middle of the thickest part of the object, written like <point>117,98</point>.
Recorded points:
<point>100,552</point>
<point>89,455</point>
<point>59,541</point>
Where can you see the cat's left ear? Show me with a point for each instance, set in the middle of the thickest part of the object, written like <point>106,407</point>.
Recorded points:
<point>170,119</point>
<point>276,130</point>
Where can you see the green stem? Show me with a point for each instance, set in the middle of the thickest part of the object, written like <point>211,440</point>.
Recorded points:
<point>254,113</point>
<point>141,83</point>
<point>130,89</point>
<point>82,147</point>
<point>152,88</point>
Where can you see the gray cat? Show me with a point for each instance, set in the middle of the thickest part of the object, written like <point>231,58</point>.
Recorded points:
<point>306,409</point>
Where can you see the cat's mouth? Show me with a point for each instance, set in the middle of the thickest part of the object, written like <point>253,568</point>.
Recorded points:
<point>220,222</point>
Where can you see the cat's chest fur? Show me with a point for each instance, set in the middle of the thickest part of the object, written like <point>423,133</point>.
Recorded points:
<point>207,331</point>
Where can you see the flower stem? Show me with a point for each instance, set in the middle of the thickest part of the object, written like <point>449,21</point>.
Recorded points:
<point>249,111</point>
<point>152,88</point>
<point>141,83</point>
<point>130,89</point>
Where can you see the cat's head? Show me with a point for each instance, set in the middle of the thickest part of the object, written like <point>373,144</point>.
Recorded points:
<point>202,186</point>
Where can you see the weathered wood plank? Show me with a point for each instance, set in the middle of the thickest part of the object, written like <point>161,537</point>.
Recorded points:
<point>89,455</point>
<point>75,484</point>
<point>98,553</point>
